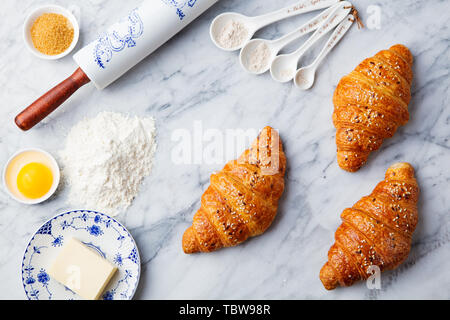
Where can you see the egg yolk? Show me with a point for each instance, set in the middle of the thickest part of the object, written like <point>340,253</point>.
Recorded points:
<point>34,180</point>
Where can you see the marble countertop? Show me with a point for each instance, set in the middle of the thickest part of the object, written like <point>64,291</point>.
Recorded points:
<point>189,82</point>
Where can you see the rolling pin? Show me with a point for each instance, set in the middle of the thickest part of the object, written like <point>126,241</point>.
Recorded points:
<point>117,50</point>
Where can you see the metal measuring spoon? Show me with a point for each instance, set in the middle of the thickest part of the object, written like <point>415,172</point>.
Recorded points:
<point>253,24</point>
<point>284,66</point>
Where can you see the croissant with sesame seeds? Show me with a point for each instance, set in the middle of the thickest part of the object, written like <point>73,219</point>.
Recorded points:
<point>376,231</point>
<point>242,199</point>
<point>370,104</point>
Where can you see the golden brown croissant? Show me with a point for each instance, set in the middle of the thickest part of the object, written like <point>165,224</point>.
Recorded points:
<point>242,199</point>
<point>377,230</point>
<point>370,104</point>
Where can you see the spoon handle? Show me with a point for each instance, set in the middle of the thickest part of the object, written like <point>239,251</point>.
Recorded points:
<point>307,27</point>
<point>337,35</point>
<point>300,7</point>
<point>340,11</point>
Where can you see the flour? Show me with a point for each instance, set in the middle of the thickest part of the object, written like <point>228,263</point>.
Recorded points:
<point>287,73</point>
<point>232,35</point>
<point>105,160</point>
<point>259,58</point>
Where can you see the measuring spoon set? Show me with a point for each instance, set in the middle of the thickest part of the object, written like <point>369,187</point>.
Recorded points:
<point>283,68</point>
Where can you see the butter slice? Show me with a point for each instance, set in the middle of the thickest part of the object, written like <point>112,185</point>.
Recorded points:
<point>82,270</point>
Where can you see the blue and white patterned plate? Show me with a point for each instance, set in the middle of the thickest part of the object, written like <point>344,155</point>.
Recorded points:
<point>96,230</point>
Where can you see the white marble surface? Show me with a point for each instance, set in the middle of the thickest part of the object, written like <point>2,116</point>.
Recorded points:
<point>189,79</point>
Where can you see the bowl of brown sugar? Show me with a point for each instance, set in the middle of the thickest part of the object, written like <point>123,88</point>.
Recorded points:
<point>51,32</point>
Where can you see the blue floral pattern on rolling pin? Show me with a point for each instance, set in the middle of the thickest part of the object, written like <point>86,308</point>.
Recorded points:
<point>101,233</point>
<point>179,6</point>
<point>120,36</point>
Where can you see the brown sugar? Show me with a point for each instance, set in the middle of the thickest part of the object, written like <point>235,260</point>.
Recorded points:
<point>52,33</point>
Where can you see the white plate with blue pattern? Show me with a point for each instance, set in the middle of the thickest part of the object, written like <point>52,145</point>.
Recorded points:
<point>98,231</point>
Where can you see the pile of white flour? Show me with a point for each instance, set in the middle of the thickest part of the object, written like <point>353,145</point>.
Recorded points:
<point>259,57</point>
<point>233,34</point>
<point>105,160</point>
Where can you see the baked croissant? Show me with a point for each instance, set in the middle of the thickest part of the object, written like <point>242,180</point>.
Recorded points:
<point>370,104</point>
<point>377,230</point>
<point>242,199</point>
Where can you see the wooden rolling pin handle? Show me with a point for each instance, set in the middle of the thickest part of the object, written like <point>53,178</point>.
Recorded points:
<point>46,104</point>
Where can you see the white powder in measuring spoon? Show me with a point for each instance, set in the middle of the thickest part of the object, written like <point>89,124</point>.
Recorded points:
<point>105,160</point>
<point>259,58</point>
<point>232,35</point>
<point>287,73</point>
